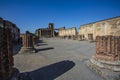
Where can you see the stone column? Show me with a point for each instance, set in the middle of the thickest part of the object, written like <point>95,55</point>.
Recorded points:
<point>6,52</point>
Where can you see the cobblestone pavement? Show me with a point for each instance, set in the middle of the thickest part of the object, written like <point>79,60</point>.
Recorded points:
<point>58,59</point>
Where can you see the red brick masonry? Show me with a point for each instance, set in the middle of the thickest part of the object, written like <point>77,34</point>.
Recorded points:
<point>27,40</point>
<point>108,48</point>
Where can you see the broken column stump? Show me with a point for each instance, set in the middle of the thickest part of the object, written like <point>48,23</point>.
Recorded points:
<point>107,52</point>
<point>108,48</point>
<point>6,52</point>
<point>106,60</point>
<point>27,42</point>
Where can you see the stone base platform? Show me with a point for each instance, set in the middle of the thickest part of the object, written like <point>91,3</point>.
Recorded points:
<point>103,69</point>
<point>111,65</point>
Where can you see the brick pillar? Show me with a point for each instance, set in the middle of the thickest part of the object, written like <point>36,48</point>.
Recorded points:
<point>27,40</point>
<point>107,52</point>
<point>107,48</point>
<point>6,50</point>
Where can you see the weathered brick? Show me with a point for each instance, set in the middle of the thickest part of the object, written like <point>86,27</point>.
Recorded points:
<point>108,48</point>
<point>27,40</point>
<point>6,51</point>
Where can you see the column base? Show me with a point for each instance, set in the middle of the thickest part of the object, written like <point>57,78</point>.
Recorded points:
<point>104,69</point>
<point>111,65</point>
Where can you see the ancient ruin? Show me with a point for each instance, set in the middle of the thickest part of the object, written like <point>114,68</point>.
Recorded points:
<point>69,33</point>
<point>6,52</point>
<point>27,40</point>
<point>107,52</point>
<point>108,48</point>
<point>45,32</point>
<point>109,26</point>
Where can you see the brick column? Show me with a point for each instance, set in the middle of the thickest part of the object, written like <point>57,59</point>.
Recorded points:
<point>27,40</point>
<point>6,52</point>
<point>107,52</point>
<point>107,48</point>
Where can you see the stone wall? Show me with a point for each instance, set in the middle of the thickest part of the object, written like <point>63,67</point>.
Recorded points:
<point>45,32</point>
<point>70,32</point>
<point>6,52</point>
<point>101,28</point>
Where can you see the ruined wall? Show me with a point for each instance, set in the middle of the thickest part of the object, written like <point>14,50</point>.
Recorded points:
<point>45,32</point>
<point>71,31</point>
<point>61,33</point>
<point>108,48</point>
<point>27,40</point>
<point>101,28</point>
<point>51,27</point>
<point>67,32</point>
<point>6,52</point>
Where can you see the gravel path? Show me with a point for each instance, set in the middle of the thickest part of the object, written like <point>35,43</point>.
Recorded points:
<point>58,59</point>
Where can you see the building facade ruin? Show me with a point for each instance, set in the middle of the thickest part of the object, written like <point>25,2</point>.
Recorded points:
<point>109,26</point>
<point>27,40</point>
<point>69,33</point>
<point>45,32</point>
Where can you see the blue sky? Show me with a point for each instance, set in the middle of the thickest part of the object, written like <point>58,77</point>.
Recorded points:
<point>33,14</point>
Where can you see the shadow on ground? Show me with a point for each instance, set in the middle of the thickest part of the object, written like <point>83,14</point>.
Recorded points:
<point>16,49</point>
<point>40,41</point>
<point>41,44</point>
<point>44,49</point>
<point>52,71</point>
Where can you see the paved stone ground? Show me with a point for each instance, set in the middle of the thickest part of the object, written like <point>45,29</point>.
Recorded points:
<point>58,59</point>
